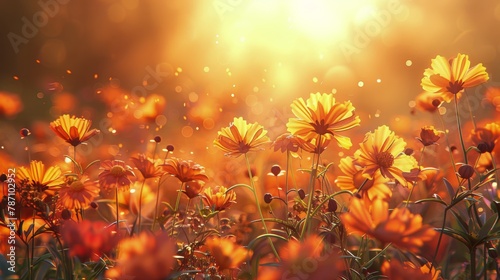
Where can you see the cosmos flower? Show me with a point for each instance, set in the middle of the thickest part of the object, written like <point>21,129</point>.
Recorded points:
<point>399,227</point>
<point>450,77</point>
<point>218,199</point>
<point>146,256</point>
<point>42,180</point>
<point>148,167</point>
<point>382,151</point>
<point>287,142</point>
<point>353,179</point>
<point>77,193</point>
<point>227,253</point>
<point>184,170</point>
<point>321,115</point>
<point>396,270</point>
<point>240,138</point>
<point>72,129</point>
<point>115,173</point>
<point>486,138</point>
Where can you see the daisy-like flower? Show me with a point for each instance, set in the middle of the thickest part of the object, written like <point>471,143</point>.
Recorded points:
<point>353,179</point>
<point>39,179</point>
<point>72,129</point>
<point>185,170</point>
<point>241,137</point>
<point>321,115</point>
<point>218,199</point>
<point>407,270</point>
<point>287,142</point>
<point>382,151</point>
<point>451,77</point>
<point>429,136</point>
<point>400,227</point>
<point>227,253</point>
<point>77,193</point>
<point>148,167</point>
<point>115,174</point>
<point>486,138</point>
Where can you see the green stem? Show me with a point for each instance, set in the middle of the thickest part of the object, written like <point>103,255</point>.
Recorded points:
<point>452,160</point>
<point>440,238</point>
<point>156,204</point>
<point>117,211</point>
<point>415,183</point>
<point>312,181</point>
<point>177,207</point>
<point>457,115</point>
<point>473,262</point>
<point>140,207</point>
<point>258,206</point>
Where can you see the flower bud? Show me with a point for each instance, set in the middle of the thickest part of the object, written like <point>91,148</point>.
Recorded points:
<point>466,171</point>
<point>428,136</point>
<point>157,139</point>
<point>408,151</point>
<point>275,169</point>
<point>302,194</point>
<point>332,205</point>
<point>268,198</point>
<point>3,178</point>
<point>66,214</point>
<point>170,148</point>
<point>94,205</point>
<point>24,132</point>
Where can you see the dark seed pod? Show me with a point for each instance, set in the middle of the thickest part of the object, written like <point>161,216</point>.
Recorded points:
<point>170,148</point>
<point>275,169</point>
<point>66,214</point>
<point>94,205</point>
<point>157,139</point>
<point>302,194</point>
<point>332,205</point>
<point>268,198</point>
<point>24,132</point>
<point>466,171</point>
<point>3,178</point>
<point>483,147</point>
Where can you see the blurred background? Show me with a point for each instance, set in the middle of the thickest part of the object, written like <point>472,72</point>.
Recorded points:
<point>184,69</point>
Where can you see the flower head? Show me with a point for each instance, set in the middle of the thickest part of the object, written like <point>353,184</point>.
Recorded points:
<point>193,188</point>
<point>219,198</point>
<point>72,129</point>
<point>77,193</point>
<point>428,136</point>
<point>407,270</point>
<point>382,151</point>
<point>321,115</point>
<point>486,138</point>
<point>240,137</point>
<point>148,167</point>
<point>428,101</point>
<point>115,173</point>
<point>400,227</point>
<point>287,142</point>
<point>184,170</point>
<point>39,179</point>
<point>450,77</point>
<point>227,254</point>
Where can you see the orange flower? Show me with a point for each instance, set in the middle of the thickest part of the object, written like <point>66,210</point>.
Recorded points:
<point>148,167</point>
<point>374,188</point>
<point>88,240</point>
<point>486,138</point>
<point>492,95</point>
<point>193,188</point>
<point>10,104</point>
<point>321,115</point>
<point>220,199</point>
<point>77,193</point>
<point>428,136</point>
<point>40,180</point>
<point>401,228</point>
<point>428,101</point>
<point>227,254</point>
<point>144,257</point>
<point>382,151</point>
<point>450,77</point>
<point>240,138</point>
<point>115,173</point>
<point>395,270</point>
<point>185,170</point>
<point>72,129</point>
<point>287,142</point>
<point>312,147</point>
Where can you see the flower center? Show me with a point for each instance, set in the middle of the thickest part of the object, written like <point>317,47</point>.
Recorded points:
<point>384,159</point>
<point>320,127</point>
<point>117,171</point>
<point>76,186</point>
<point>455,87</point>
<point>243,147</point>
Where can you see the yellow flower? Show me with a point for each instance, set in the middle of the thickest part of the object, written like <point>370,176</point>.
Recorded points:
<point>400,227</point>
<point>449,78</point>
<point>321,115</point>
<point>382,150</point>
<point>72,129</point>
<point>220,199</point>
<point>240,138</point>
<point>77,193</point>
<point>227,254</point>
<point>39,179</point>
<point>185,170</point>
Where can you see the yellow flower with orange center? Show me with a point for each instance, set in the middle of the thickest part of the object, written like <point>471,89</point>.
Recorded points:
<point>321,115</point>
<point>383,151</point>
<point>36,177</point>
<point>219,198</point>
<point>72,129</point>
<point>77,193</point>
<point>451,77</point>
<point>399,227</point>
<point>241,137</point>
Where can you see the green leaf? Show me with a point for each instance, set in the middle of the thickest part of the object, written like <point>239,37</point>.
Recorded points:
<point>449,187</point>
<point>461,222</point>
<point>487,227</point>
<point>459,236</point>
<point>266,235</point>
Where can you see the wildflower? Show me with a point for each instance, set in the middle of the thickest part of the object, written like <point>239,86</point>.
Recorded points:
<point>353,180</point>
<point>320,115</point>
<point>287,142</point>
<point>218,199</point>
<point>401,227</point>
<point>193,188</point>
<point>313,147</point>
<point>88,240</point>
<point>39,179</point>
<point>147,167</point>
<point>486,137</point>
<point>184,170</point>
<point>241,138</point>
<point>144,257</point>
<point>450,78</point>
<point>428,101</point>
<point>382,151</point>
<point>428,136</point>
<point>227,254</point>
<point>407,270</point>
<point>77,193</point>
<point>115,173</point>
<point>72,129</point>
